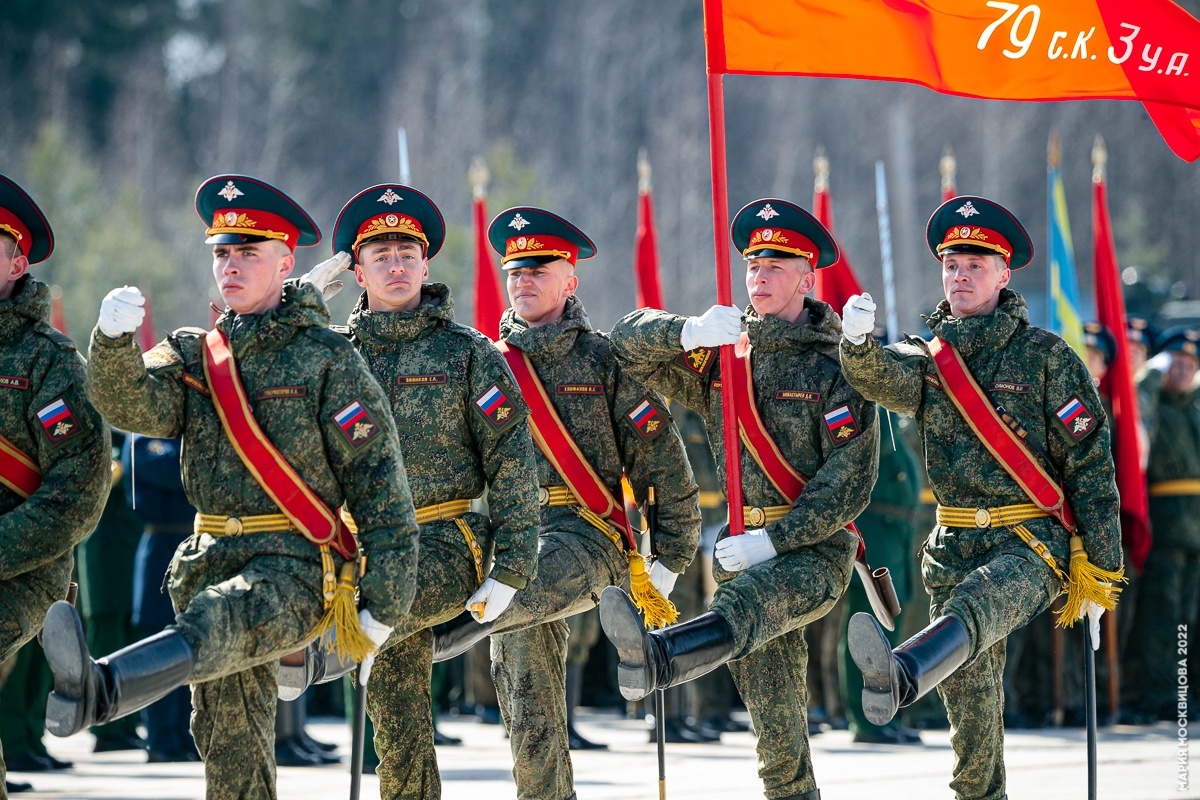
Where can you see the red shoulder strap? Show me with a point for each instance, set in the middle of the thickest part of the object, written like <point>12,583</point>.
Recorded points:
<point>17,470</point>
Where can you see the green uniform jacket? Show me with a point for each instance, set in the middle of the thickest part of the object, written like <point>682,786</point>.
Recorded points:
<point>298,375</point>
<point>1175,455</point>
<point>797,382</point>
<point>595,398</point>
<point>433,371</point>
<point>40,371</point>
<point>1033,375</point>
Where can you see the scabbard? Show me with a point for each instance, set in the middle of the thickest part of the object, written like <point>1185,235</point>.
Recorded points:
<point>880,592</point>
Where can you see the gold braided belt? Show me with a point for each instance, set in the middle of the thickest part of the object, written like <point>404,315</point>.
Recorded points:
<point>1004,517</point>
<point>756,517</point>
<point>450,510</point>
<point>710,499</point>
<point>555,496</point>
<point>560,496</point>
<point>1183,487</point>
<point>221,525</point>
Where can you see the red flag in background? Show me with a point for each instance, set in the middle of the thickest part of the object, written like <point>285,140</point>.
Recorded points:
<point>645,243</point>
<point>949,170</point>
<point>58,316</point>
<point>489,302</point>
<point>146,332</point>
<point>1118,383</point>
<point>835,283</point>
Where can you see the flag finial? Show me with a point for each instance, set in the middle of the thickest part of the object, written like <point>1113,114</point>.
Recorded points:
<point>1099,159</point>
<point>820,170</point>
<point>1053,150</point>
<point>948,166</point>
<point>643,168</point>
<point>479,176</point>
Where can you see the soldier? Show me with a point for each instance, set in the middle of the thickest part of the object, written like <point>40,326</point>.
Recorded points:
<point>1168,607</point>
<point>591,422</point>
<point>1101,349</point>
<point>54,448</point>
<point>443,380</point>
<point>994,397</point>
<point>807,470</point>
<point>271,444</point>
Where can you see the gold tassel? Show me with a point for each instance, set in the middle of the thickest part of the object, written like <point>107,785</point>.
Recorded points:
<point>657,610</point>
<point>339,627</point>
<point>1087,582</point>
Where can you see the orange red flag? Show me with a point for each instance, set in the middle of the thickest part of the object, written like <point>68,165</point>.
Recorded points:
<point>489,301</point>
<point>645,244</point>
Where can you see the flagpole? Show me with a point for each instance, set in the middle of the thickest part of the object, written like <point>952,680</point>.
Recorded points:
<point>885,252</point>
<point>402,148</point>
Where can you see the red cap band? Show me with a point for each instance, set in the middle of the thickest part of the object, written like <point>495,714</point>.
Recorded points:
<point>976,236</point>
<point>539,245</point>
<point>253,222</point>
<point>10,224</point>
<point>781,239</point>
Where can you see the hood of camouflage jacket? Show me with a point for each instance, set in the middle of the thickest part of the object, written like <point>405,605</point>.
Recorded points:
<point>302,307</point>
<point>29,305</point>
<point>548,342</point>
<point>822,331</point>
<point>974,335</point>
<point>394,327</point>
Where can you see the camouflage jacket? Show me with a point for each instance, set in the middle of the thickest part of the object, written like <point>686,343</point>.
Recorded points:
<point>299,376</point>
<point>1034,375</point>
<point>1175,455</point>
<point>433,371</point>
<point>597,401</point>
<point>45,414</point>
<point>797,383</point>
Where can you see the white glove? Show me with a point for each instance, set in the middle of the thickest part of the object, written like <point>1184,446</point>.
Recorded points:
<point>1093,612</point>
<point>378,633</point>
<point>737,553</point>
<point>121,312</point>
<point>858,318</point>
<point>715,327</point>
<point>662,578</point>
<point>325,276</point>
<point>490,600</point>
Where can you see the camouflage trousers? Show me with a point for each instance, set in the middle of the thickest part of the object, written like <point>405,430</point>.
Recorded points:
<point>993,583</point>
<point>239,628</point>
<point>398,696</point>
<point>767,606</point>
<point>529,650</point>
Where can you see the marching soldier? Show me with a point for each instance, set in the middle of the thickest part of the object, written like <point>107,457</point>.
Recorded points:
<point>807,470</point>
<point>282,424</point>
<point>463,428</point>
<point>1004,409</point>
<point>591,422</point>
<point>54,448</point>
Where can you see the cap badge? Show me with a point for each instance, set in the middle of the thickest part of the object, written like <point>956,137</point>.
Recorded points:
<point>231,217</point>
<point>521,242</point>
<point>767,234</point>
<point>518,222</point>
<point>390,197</point>
<point>767,212</point>
<point>967,210</point>
<point>392,220</point>
<point>230,191</point>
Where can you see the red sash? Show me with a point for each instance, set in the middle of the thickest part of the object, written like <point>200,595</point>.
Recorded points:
<point>560,448</point>
<point>307,513</point>
<point>1000,440</point>
<point>17,470</point>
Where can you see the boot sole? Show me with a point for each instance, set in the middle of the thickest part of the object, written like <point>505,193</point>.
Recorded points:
<point>872,654</point>
<point>623,626</point>
<point>66,652</point>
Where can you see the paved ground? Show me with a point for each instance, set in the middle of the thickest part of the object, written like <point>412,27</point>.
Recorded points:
<point>1135,764</point>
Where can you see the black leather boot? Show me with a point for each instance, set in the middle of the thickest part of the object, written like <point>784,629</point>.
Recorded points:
<point>320,666</point>
<point>88,692</point>
<point>893,679</point>
<point>458,636</point>
<point>815,794</point>
<point>663,658</point>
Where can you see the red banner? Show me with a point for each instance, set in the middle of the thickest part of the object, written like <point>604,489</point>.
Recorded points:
<point>837,282</point>
<point>645,255</point>
<point>489,301</point>
<point>146,331</point>
<point>1068,50</point>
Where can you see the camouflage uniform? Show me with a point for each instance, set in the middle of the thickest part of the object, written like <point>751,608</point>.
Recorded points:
<point>594,397</point>
<point>796,381</point>
<point>244,601</point>
<point>40,367</point>
<point>433,371</point>
<point>988,579</point>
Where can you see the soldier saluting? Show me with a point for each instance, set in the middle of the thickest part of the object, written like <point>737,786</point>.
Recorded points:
<point>1017,448</point>
<point>54,449</point>
<point>809,460</point>
<point>282,424</point>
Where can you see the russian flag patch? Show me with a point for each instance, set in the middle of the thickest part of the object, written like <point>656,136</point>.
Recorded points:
<point>496,407</point>
<point>58,421</point>
<point>646,419</point>
<point>1076,419</point>
<point>356,425</point>
<point>841,425</point>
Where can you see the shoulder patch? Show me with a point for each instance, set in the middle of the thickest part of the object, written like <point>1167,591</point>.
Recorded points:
<point>1076,419</point>
<point>60,339</point>
<point>13,382</point>
<point>841,425</point>
<point>159,357</point>
<point>698,361</point>
<point>497,407</point>
<point>356,425</point>
<point>647,419</point>
<point>58,421</point>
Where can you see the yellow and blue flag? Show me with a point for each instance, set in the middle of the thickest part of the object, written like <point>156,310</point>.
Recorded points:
<point>1063,295</point>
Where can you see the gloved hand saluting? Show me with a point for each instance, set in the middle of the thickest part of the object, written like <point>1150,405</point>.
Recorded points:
<point>325,276</point>
<point>662,578</point>
<point>490,600</point>
<point>379,634</point>
<point>736,553</point>
<point>121,312</point>
<point>715,327</point>
<point>858,318</point>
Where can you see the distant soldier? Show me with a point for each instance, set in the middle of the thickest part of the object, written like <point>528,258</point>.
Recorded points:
<point>463,428</point>
<point>1006,411</point>
<point>810,458</point>
<point>55,462</point>
<point>282,425</point>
